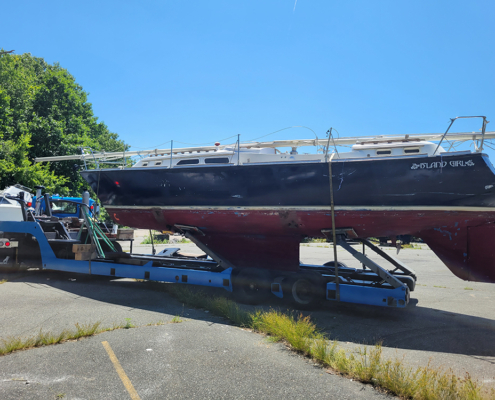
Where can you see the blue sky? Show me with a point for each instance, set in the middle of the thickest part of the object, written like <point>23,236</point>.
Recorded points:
<point>201,71</point>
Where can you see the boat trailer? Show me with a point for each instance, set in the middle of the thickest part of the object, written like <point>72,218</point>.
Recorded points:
<point>45,243</point>
<point>372,285</point>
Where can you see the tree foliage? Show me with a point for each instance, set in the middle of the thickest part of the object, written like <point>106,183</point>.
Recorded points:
<point>44,112</point>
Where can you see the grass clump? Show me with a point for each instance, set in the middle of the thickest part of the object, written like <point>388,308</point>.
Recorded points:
<point>128,324</point>
<point>299,332</point>
<point>46,338</point>
<point>156,239</point>
<point>3,281</point>
<point>84,330</point>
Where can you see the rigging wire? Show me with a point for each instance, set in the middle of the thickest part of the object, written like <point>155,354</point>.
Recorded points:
<point>203,144</point>
<point>176,141</point>
<point>490,147</point>
<point>149,147</point>
<point>230,137</point>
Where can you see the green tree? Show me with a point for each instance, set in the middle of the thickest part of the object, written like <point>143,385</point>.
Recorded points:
<point>44,112</point>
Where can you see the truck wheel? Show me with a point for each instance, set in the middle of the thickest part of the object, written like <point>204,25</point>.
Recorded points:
<point>306,290</point>
<point>251,285</point>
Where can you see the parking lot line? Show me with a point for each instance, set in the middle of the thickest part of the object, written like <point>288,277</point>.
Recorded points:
<point>125,380</point>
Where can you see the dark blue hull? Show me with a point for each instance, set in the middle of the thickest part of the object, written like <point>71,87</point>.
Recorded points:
<point>463,180</point>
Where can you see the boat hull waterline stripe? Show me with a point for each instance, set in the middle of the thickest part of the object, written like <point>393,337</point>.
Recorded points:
<point>315,208</point>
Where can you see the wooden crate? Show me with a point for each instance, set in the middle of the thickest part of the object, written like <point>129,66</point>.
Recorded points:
<point>83,252</point>
<point>81,248</point>
<point>85,255</point>
<point>125,234</point>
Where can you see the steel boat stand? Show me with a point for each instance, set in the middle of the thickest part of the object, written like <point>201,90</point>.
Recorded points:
<point>390,288</point>
<point>373,284</point>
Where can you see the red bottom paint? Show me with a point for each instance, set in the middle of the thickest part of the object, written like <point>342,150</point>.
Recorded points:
<point>463,240</point>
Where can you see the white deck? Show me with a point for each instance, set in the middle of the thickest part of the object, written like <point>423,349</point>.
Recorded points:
<point>267,152</point>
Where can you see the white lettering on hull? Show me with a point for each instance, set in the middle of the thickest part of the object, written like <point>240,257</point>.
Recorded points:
<point>443,164</point>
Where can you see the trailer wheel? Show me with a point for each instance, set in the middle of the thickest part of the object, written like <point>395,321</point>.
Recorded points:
<point>409,281</point>
<point>251,285</point>
<point>306,290</point>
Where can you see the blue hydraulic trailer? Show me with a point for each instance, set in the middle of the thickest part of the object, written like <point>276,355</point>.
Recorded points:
<point>45,243</point>
<point>193,272</point>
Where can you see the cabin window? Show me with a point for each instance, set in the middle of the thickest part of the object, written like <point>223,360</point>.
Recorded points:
<point>145,164</point>
<point>217,160</point>
<point>411,151</point>
<point>383,152</point>
<point>158,163</point>
<point>186,162</point>
<point>63,207</point>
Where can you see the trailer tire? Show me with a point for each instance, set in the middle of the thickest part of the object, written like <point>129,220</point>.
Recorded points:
<point>408,281</point>
<point>251,285</point>
<point>306,290</point>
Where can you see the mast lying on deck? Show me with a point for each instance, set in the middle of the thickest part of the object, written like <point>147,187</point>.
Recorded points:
<point>432,137</point>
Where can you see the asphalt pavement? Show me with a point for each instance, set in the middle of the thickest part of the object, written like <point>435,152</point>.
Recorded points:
<point>448,323</point>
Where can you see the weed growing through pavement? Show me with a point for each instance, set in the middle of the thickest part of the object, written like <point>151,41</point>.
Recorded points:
<point>176,320</point>
<point>366,364</point>
<point>46,338</point>
<point>128,324</point>
<point>155,323</point>
<point>3,281</point>
<point>12,344</point>
<point>468,288</point>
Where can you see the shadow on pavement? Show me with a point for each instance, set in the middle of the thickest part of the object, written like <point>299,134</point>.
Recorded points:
<point>412,328</point>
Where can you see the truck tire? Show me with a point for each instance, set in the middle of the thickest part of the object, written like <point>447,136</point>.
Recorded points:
<point>251,285</point>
